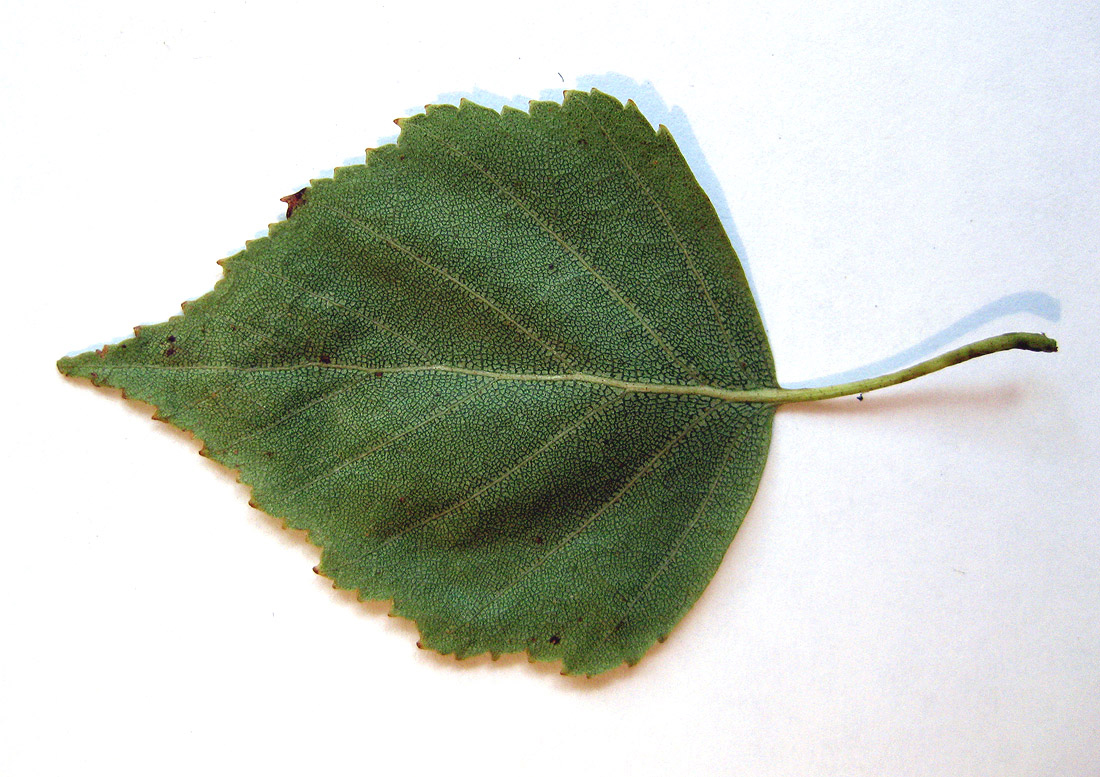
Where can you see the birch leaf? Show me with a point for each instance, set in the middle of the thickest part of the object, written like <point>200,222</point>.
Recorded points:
<point>508,374</point>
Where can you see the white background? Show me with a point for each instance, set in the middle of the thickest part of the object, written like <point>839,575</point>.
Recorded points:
<point>916,590</point>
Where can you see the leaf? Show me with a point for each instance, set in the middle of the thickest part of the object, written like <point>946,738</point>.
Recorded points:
<point>508,374</point>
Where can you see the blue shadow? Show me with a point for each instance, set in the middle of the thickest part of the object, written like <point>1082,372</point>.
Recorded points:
<point>1035,302</point>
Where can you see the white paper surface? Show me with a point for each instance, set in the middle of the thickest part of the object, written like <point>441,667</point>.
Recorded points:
<point>916,590</point>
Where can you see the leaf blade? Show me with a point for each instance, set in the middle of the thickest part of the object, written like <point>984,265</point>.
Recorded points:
<point>361,365</point>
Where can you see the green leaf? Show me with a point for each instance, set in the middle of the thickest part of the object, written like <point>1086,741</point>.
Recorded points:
<point>508,373</point>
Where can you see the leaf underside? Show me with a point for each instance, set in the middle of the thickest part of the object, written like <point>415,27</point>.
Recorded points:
<point>413,368</point>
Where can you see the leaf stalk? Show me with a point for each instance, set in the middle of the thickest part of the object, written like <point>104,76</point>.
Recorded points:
<point>1027,341</point>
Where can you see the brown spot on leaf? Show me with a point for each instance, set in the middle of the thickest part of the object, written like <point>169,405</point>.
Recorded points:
<point>294,200</point>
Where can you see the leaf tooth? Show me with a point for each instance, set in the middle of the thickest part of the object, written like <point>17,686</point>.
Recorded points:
<point>468,107</point>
